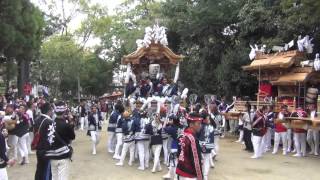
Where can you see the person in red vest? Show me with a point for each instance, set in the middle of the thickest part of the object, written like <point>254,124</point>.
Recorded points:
<point>299,134</point>
<point>258,132</point>
<point>189,165</point>
<point>281,131</point>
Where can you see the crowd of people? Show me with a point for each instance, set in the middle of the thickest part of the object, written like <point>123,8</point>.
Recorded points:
<point>36,126</point>
<point>259,126</point>
<point>185,140</point>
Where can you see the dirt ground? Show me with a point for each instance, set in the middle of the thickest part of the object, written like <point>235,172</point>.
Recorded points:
<point>233,164</point>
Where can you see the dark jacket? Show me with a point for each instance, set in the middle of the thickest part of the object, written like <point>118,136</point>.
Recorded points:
<point>115,116</point>
<point>82,111</point>
<point>141,128</point>
<point>206,138</point>
<point>156,137</point>
<point>189,153</point>
<point>119,125</point>
<point>93,123</point>
<point>64,134</point>
<point>44,143</point>
<point>259,124</point>
<point>127,130</point>
<point>172,131</point>
<point>23,127</point>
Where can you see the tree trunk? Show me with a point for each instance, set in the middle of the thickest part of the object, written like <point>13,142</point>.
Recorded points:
<point>23,75</point>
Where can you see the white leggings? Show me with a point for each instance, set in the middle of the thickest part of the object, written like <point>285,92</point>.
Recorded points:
<point>83,122</point>
<point>241,133</point>
<point>289,139</point>
<point>144,153</point>
<point>13,144</point>
<point>313,140</point>
<point>268,139</point>
<point>29,141</point>
<point>300,143</point>
<point>111,141</point>
<point>127,146</point>
<point>119,144</point>
<point>277,137</point>
<point>95,138</point>
<point>257,143</point>
<point>206,165</point>
<point>165,150</point>
<point>22,145</point>
<point>60,169</point>
<point>216,144</point>
<point>3,174</point>
<point>156,160</point>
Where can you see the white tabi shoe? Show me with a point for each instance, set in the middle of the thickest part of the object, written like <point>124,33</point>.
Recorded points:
<point>254,157</point>
<point>297,155</point>
<point>141,168</point>
<point>167,176</point>
<point>119,164</point>
<point>116,157</point>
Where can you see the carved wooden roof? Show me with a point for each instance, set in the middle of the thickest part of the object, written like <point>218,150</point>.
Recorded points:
<point>298,75</point>
<point>155,53</point>
<point>281,60</point>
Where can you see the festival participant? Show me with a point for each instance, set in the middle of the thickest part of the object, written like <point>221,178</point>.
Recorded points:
<point>143,130</point>
<point>156,142</point>
<point>60,151</point>
<point>103,109</point>
<point>247,129</point>
<point>206,139</point>
<point>114,118</point>
<point>94,129</point>
<point>83,115</point>
<point>299,135</point>
<point>313,134</point>
<point>43,140</point>
<point>189,152</point>
<point>281,131</point>
<point>258,131</point>
<point>4,161</point>
<point>173,128</point>
<point>269,126</point>
<point>166,141</point>
<point>22,131</point>
<point>119,136</point>
<point>30,113</point>
<point>128,139</point>
<point>12,118</point>
<point>217,120</point>
<point>240,129</point>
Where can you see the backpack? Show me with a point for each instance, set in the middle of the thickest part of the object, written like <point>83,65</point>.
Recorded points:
<point>36,138</point>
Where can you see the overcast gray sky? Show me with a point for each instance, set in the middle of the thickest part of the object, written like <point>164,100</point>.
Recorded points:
<point>75,23</point>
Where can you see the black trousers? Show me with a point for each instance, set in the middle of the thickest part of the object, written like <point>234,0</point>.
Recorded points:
<point>247,139</point>
<point>43,171</point>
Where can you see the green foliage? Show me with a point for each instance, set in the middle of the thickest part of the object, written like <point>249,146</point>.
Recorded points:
<point>200,26</point>
<point>21,29</point>
<point>63,61</point>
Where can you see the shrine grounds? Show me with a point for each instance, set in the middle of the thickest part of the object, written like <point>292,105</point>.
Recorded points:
<point>233,164</point>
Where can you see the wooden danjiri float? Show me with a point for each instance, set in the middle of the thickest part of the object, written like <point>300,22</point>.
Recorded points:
<point>285,78</point>
<point>152,58</point>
